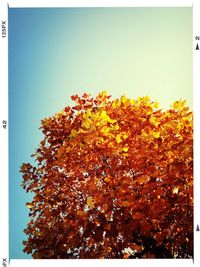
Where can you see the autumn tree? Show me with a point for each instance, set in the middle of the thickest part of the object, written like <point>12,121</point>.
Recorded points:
<point>112,179</point>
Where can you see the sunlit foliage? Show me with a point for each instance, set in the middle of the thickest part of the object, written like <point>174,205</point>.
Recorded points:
<point>112,179</point>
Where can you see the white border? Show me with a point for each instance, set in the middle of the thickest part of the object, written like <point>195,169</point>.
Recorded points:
<point>4,133</point>
<point>100,263</point>
<point>98,3</point>
<point>4,208</point>
<point>196,93</point>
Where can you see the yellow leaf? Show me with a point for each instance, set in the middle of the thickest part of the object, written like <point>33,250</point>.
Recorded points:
<point>116,103</point>
<point>82,131</point>
<point>179,105</point>
<point>87,123</point>
<point>156,134</point>
<point>74,133</point>
<point>146,98</point>
<point>105,130</point>
<point>123,99</point>
<point>29,205</point>
<point>156,105</point>
<point>88,112</point>
<point>104,114</point>
<point>133,102</point>
<point>125,149</point>
<point>111,120</point>
<point>116,127</point>
<point>90,202</point>
<point>57,115</point>
<point>175,190</point>
<point>118,138</point>
<point>154,121</point>
<point>125,135</point>
<point>104,93</point>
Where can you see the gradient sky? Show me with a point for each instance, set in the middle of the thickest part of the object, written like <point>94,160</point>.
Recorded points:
<point>54,53</point>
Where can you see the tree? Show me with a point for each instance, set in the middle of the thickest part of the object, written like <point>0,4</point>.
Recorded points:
<point>112,179</point>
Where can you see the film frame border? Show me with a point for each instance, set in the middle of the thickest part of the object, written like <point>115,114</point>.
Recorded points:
<point>4,140</point>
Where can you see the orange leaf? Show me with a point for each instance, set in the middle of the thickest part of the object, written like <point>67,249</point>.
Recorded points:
<point>90,202</point>
<point>143,179</point>
<point>138,216</point>
<point>80,212</point>
<point>136,247</point>
<point>126,203</point>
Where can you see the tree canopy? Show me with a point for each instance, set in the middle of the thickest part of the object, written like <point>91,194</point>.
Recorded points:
<point>112,179</point>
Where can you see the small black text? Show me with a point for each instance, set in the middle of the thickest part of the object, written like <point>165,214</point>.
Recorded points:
<point>4,124</point>
<point>4,262</point>
<point>3,29</point>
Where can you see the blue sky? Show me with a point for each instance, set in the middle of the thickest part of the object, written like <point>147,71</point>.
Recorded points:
<point>54,53</point>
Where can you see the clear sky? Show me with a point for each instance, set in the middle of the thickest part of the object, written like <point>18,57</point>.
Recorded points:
<point>54,53</point>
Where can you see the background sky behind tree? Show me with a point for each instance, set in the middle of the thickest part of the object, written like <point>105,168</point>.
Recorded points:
<point>54,53</point>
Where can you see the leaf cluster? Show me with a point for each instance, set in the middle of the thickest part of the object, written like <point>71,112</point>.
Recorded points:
<point>112,179</point>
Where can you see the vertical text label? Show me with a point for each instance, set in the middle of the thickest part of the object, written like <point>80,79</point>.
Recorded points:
<point>3,29</point>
